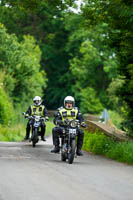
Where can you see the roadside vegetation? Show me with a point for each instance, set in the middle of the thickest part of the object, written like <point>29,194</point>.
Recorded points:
<point>116,119</point>
<point>99,144</point>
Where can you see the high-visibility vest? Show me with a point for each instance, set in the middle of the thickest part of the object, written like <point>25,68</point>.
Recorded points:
<point>69,114</point>
<point>37,110</point>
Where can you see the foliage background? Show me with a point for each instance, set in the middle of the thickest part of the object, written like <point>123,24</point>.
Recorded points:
<point>48,49</point>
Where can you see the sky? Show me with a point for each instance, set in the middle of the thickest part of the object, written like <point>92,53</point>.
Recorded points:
<point>78,2</point>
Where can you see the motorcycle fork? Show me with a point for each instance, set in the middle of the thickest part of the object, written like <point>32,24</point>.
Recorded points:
<point>69,144</point>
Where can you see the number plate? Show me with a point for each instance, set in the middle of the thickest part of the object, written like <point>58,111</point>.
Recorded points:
<point>73,131</point>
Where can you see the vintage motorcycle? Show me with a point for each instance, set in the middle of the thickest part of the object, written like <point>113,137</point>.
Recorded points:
<point>36,126</point>
<point>68,140</point>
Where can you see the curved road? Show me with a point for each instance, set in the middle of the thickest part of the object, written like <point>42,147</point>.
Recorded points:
<point>28,173</point>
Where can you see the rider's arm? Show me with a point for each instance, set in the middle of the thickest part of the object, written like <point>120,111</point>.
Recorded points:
<point>45,113</point>
<point>81,119</point>
<point>28,112</point>
<point>57,118</point>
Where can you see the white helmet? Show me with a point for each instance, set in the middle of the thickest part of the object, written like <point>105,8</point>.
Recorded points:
<point>37,101</point>
<point>69,99</point>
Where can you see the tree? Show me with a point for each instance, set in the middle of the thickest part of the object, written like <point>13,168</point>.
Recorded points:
<point>121,38</point>
<point>93,62</point>
<point>6,107</point>
<point>89,102</point>
<point>20,61</point>
<point>45,21</point>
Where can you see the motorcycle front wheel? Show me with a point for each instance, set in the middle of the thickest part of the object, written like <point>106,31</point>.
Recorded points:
<point>35,137</point>
<point>71,154</point>
<point>63,156</point>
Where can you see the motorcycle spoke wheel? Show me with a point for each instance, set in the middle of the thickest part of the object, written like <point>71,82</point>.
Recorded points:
<point>33,144</point>
<point>35,137</point>
<point>72,152</point>
<point>63,157</point>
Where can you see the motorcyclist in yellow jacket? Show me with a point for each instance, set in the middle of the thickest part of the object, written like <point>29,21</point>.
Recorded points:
<point>36,109</point>
<point>69,111</point>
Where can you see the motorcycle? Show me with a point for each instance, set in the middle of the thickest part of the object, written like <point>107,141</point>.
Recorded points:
<point>35,125</point>
<point>68,140</point>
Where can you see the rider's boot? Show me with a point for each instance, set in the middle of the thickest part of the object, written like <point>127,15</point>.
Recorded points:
<point>43,138</point>
<point>26,136</point>
<point>56,142</point>
<point>80,143</point>
<point>56,149</point>
<point>79,152</point>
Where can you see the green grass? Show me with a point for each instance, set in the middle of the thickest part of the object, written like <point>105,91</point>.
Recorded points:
<point>49,126</point>
<point>99,144</point>
<point>15,133</point>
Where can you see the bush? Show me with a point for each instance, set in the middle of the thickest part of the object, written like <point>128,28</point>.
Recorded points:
<point>6,108</point>
<point>100,144</point>
<point>95,143</point>
<point>116,118</point>
<point>122,152</point>
<point>13,134</point>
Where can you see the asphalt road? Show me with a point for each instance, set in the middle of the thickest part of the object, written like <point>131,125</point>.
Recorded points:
<point>28,173</point>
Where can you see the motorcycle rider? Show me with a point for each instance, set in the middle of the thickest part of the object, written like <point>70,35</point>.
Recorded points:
<point>36,109</point>
<point>69,111</point>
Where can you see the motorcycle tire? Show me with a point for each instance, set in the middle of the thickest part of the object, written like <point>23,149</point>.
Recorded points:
<point>63,156</point>
<point>72,152</point>
<point>35,137</point>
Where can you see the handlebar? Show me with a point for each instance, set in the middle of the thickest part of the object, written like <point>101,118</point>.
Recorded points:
<point>72,123</point>
<point>33,117</point>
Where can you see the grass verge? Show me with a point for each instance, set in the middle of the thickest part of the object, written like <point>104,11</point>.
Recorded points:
<point>99,144</point>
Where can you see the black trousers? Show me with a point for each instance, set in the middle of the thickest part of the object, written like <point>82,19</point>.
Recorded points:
<point>57,131</point>
<point>28,128</point>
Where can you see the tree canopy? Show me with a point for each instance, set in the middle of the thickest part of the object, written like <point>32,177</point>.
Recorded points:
<point>49,49</point>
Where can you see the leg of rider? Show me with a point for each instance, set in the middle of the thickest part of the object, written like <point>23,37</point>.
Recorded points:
<point>80,142</point>
<point>55,137</point>
<point>27,131</point>
<point>55,133</point>
<point>43,128</point>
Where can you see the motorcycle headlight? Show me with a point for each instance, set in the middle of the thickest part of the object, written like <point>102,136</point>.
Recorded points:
<point>37,118</point>
<point>73,123</point>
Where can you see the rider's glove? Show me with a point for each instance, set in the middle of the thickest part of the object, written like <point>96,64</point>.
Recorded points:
<point>26,116</point>
<point>59,122</point>
<point>83,124</point>
<point>46,119</point>
<point>66,121</point>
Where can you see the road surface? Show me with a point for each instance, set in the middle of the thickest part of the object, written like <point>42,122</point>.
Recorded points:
<point>28,173</point>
